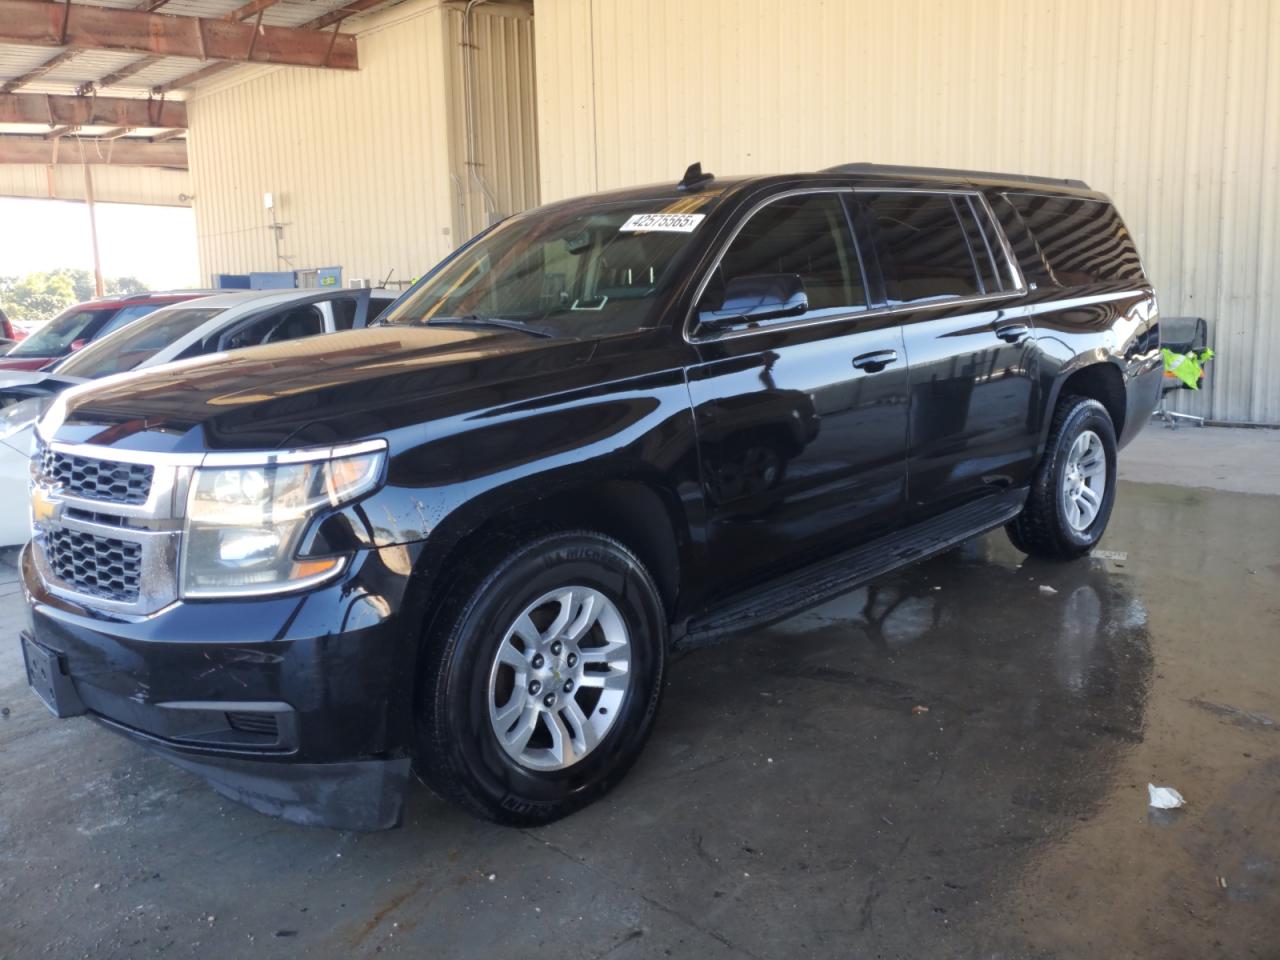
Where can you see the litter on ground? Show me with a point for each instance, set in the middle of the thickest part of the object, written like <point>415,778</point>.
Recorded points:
<point>1164,798</point>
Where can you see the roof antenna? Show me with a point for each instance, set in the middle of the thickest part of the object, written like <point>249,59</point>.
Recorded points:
<point>694,178</point>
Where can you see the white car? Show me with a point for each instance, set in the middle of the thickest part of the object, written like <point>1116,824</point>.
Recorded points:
<point>227,321</point>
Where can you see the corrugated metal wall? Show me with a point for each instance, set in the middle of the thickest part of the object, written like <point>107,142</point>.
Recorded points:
<point>365,168</point>
<point>1171,106</point>
<point>110,184</point>
<point>505,116</point>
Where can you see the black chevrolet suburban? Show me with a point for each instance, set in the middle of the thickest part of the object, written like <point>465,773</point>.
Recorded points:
<point>462,542</point>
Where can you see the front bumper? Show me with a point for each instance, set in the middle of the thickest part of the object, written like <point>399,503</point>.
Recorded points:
<point>298,706</point>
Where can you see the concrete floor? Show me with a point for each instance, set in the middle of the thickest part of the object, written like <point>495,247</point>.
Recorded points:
<point>791,802</point>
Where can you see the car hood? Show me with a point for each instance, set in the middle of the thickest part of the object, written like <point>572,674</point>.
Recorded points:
<point>19,385</point>
<point>25,363</point>
<point>320,390</point>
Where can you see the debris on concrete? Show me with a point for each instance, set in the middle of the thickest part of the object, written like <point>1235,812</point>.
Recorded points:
<point>918,709</point>
<point>4,711</point>
<point>1164,798</point>
<point>286,933</point>
<point>1119,555</point>
<point>1222,882</point>
<point>1047,590</point>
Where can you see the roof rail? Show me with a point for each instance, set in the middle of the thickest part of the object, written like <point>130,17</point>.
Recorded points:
<point>892,169</point>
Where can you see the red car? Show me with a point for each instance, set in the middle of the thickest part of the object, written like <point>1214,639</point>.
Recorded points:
<point>85,322</point>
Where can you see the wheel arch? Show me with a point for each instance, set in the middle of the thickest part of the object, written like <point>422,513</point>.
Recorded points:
<point>640,512</point>
<point>1098,379</point>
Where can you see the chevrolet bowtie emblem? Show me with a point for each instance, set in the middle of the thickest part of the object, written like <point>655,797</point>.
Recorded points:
<point>42,508</point>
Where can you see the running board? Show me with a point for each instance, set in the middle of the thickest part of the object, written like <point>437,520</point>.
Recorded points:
<point>820,582</point>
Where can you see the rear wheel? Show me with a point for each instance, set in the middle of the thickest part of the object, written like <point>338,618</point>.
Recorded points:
<point>541,689</point>
<point>1074,487</point>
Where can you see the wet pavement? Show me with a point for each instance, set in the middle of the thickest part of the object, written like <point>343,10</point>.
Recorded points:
<point>795,800</point>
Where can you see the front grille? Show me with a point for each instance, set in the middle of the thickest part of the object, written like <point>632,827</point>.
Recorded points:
<point>107,480</point>
<point>95,566</point>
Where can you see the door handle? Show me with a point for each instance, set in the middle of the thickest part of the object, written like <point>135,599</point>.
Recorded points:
<point>1012,332</point>
<point>876,361</point>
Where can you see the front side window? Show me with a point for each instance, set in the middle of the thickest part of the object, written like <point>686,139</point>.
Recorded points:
<point>294,324</point>
<point>584,269</point>
<point>128,348</point>
<point>56,337</point>
<point>806,235</point>
<point>926,253</point>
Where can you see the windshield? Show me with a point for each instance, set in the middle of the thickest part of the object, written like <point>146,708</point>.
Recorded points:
<point>584,270</point>
<point>56,337</point>
<point>128,315</point>
<point>137,343</point>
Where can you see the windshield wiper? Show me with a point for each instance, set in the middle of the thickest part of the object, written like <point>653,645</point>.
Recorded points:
<point>475,320</point>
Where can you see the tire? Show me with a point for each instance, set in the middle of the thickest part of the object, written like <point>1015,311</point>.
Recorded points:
<point>1046,527</point>
<point>465,689</point>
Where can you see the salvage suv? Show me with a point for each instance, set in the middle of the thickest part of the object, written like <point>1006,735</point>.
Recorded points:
<point>463,541</point>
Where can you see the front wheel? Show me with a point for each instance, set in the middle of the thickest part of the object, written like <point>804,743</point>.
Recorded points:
<point>1074,487</point>
<point>542,688</point>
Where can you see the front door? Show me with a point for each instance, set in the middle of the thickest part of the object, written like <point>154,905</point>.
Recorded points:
<point>801,419</point>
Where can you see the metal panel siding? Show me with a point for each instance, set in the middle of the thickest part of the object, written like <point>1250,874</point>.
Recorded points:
<point>358,163</point>
<point>506,114</point>
<point>1170,106</point>
<point>110,184</point>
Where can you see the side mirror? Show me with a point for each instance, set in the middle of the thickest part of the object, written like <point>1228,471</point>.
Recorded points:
<point>764,296</point>
<point>78,344</point>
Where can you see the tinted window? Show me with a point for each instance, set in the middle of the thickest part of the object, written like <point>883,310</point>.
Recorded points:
<point>924,250</point>
<point>56,336</point>
<point>1083,241</point>
<point>806,235</point>
<point>378,306</point>
<point>344,313</point>
<point>304,321</point>
<point>143,340</point>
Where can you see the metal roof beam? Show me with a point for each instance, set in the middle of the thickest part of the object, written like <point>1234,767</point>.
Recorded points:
<point>332,18</point>
<point>44,23</point>
<point>120,152</point>
<point>91,111</point>
<point>36,73</point>
<point>250,9</point>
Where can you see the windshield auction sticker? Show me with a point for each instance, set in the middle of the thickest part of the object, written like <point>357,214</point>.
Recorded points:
<point>663,222</point>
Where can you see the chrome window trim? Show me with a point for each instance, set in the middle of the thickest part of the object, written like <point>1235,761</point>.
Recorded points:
<point>1014,271</point>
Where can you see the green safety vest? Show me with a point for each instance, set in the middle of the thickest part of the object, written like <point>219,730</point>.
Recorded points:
<point>1187,367</point>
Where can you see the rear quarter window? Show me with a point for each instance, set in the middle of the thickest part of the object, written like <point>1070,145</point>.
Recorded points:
<point>1082,241</point>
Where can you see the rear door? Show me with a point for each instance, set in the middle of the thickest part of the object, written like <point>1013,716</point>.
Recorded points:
<point>949,278</point>
<point>802,420</point>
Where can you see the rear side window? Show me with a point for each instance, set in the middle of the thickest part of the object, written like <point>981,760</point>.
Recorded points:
<point>927,252</point>
<point>344,313</point>
<point>1083,241</point>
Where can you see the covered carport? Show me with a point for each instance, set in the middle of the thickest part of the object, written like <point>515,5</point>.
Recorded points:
<point>952,761</point>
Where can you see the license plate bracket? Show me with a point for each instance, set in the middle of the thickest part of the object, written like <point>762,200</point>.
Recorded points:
<point>49,681</point>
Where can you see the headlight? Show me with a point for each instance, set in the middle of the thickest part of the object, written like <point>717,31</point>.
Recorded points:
<point>245,521</point>
<point>19,416</point>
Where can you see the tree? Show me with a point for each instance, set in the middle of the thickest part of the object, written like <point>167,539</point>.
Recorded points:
<point>41,296</point>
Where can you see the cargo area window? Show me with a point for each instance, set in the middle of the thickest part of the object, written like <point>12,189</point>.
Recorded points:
<point>1083,241</point>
